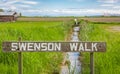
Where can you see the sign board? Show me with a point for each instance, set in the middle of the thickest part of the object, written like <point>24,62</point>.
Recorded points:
<point>54,46</point>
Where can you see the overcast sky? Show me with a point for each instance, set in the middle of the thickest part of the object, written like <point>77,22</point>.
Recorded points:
<point>62,7</point>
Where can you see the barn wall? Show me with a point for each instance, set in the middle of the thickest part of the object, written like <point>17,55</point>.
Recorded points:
<point>6,18</point>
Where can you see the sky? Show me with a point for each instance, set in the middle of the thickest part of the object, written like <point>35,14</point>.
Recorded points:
<point>62,7</point>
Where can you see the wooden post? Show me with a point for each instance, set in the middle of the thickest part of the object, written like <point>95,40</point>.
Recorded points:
<point>91,63</point>
<point>19,60</point>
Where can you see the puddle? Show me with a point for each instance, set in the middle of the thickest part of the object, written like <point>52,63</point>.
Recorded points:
<point>74,65</point>
<point>76,29</point>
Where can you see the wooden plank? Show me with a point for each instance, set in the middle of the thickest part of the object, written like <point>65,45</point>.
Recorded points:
<point>20,63</point>
<point>20,60</point>
<point>91,63</point>
<point>54,46</point>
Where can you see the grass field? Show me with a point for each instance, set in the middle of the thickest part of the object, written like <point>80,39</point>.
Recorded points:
<point>108,62</point>
<point>49,63</point>
<point>37,62</point>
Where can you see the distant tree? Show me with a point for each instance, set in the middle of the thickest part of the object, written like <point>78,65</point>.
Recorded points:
<point>1,10</point>
<point>20,14</point>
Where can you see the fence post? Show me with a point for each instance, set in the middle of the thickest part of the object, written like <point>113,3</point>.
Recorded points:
<point>19,59</point>
<point>91,63</point>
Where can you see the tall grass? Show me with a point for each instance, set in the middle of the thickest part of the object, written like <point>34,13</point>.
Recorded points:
<point>36,62</point>
<point>108,62</point>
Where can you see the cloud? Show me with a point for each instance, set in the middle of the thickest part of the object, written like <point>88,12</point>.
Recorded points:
<point>76,0</point>
<point>106,5</point>
<point>108,1</point>
<point>29,2</point>
<point>74,12</point>
<point>24,6</point>
<point>13,7</point>
<point>116,7</point>
<point>16,4</point>
<point>5,3</point>
<point>112,6</point>
<point>28,7</point>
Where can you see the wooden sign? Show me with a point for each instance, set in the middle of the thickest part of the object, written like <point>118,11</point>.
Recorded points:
<point>54,46</point>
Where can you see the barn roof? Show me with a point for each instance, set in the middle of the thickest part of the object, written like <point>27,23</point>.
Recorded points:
<point>7,13</point>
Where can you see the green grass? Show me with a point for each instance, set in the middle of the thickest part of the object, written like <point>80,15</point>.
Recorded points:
<point>35,62</point>
<point>108,62</point>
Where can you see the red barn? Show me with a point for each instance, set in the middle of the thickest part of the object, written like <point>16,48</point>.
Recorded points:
<point>8,16</point>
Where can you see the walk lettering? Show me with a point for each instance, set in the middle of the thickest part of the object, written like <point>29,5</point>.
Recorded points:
<point>54,46</point>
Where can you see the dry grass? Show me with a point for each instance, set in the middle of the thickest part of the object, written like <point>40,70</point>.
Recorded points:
<point>108,62</point>
<point>95,19</point>
<point>113,28</point>
<point>103,19</point>
<point>44,19</point>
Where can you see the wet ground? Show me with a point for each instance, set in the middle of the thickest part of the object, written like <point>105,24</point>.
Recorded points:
<point>73,65</point>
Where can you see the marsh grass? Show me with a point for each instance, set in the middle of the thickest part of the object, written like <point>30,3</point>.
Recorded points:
<point>109,61</point>
<point>35,62</point>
